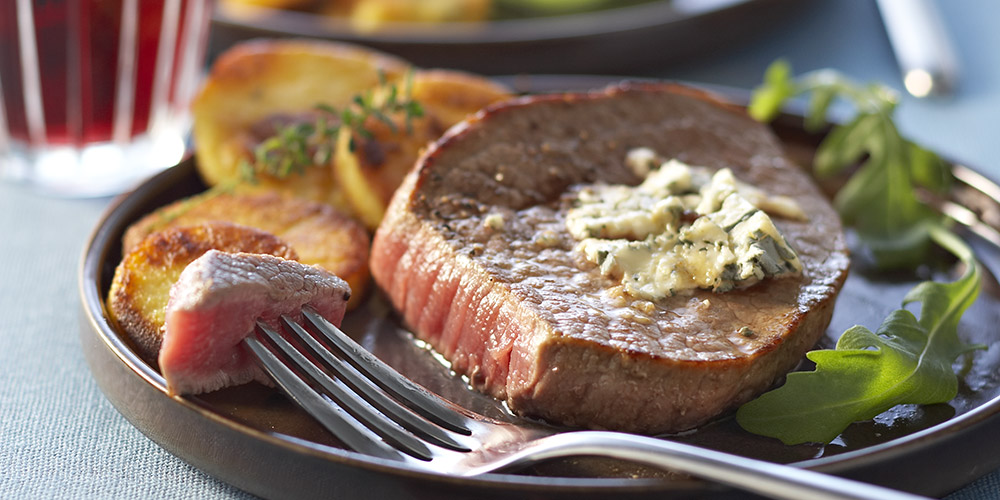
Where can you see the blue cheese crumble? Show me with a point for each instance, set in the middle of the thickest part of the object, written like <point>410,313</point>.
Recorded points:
<point>683,228</point>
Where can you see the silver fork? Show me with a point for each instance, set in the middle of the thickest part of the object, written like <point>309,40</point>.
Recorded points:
<point>376,411</point>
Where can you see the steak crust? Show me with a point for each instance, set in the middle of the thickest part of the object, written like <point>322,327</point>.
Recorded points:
<point>513,307</point>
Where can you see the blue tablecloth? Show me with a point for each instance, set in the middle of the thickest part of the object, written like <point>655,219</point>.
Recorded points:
<point>59,436</point>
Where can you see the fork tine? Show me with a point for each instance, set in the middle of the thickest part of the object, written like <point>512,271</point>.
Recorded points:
<point>417,398</point>
<point>334,418</point>
<point>371,392</point>
<point>345,399</point>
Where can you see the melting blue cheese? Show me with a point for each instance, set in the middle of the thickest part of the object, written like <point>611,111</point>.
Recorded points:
<point>682,229</point>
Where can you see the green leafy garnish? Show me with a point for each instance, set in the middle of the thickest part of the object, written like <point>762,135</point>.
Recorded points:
<point>879,200</point>
<point>301,145</point>
<point>907,361</point>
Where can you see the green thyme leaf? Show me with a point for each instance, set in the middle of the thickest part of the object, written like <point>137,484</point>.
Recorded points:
<point>906,361</point>
<point>294,148</point>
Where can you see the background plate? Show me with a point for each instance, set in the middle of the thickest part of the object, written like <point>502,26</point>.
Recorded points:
<point>252,437</point>
<point>622,40</point>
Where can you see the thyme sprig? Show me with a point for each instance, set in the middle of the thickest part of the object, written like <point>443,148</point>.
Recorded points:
<point>296,147</point>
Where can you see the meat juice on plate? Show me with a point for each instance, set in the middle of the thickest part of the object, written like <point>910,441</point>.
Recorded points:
<point>95,92</point>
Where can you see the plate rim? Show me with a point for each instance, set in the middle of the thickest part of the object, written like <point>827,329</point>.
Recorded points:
<point>494,32</point>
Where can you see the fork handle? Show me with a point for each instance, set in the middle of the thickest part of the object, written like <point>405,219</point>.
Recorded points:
<point>764,478</point>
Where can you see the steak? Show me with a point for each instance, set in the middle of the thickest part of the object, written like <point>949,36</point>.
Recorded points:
<point>475,255</point>
<point>140,289</point>
<point>215,305</point>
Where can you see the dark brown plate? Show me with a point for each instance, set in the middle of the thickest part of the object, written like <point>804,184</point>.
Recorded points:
<point>252,437</point>
<point>622,40</point>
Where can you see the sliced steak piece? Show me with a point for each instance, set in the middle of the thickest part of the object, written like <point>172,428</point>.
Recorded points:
<point>215,304</point>
<point>140,290</point>
<point>475,255</point>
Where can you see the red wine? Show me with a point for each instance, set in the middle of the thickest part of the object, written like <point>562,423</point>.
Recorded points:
<point>76,72</point>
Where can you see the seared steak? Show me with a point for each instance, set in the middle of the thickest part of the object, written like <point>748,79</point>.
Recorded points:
<point>215,304</point>
<point>475,255</point>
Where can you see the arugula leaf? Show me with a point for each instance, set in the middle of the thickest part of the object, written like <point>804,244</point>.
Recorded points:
<point>879,199</point>
<point>778,87</point>
<point>907,361</point>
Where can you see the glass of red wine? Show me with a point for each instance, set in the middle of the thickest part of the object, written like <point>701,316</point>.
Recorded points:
<point>95,94</point>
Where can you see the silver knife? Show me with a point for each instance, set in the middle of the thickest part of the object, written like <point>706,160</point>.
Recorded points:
<point>923,49</point>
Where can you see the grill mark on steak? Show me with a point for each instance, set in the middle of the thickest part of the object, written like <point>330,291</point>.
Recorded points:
<point>533,324</point>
